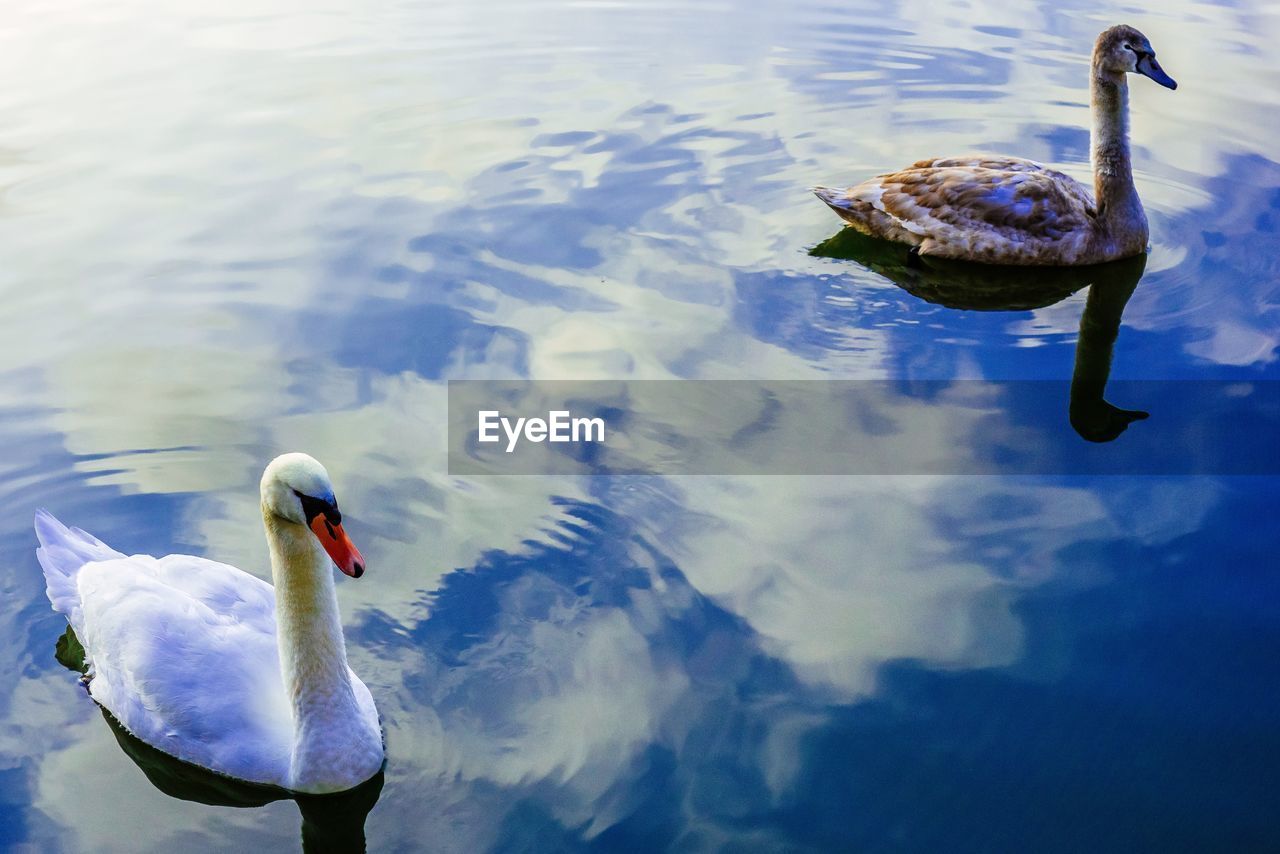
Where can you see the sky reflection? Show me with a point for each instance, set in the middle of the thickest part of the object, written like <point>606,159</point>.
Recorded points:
<point>233,232</point>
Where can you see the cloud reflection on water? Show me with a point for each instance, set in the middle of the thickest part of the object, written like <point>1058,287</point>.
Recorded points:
<point>267,233</point>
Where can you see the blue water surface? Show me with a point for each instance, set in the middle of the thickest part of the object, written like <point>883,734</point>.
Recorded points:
<point>236,230</point>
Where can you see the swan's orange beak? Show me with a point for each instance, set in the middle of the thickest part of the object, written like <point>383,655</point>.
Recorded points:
<point>338,545</point>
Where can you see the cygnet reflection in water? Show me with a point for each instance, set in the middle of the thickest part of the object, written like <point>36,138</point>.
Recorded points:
<point>979,287</point>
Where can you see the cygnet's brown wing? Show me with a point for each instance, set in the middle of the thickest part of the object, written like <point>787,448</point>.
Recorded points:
<point>982,208</point>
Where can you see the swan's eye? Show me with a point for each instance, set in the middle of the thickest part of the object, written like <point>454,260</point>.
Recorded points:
<point>313,507</point>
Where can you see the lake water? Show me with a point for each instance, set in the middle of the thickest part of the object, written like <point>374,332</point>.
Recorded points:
<point>232,230</point>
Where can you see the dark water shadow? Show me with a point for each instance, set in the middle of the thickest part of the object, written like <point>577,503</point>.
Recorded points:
<point>1093,417</point>
<point>331,824</point>
<point>959,284</point>
<point>982,287</point>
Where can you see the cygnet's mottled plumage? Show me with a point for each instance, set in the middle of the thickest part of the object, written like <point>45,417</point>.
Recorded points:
<point>1006,210</point>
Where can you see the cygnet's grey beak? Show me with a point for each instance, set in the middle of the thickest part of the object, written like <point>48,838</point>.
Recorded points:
<point>1148,67</point>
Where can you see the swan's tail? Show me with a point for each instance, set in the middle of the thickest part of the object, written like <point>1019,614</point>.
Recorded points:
<point>63,551</point>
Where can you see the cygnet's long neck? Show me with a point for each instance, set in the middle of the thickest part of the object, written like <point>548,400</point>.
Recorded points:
<point>313,655</point>
<point>1117,198</point>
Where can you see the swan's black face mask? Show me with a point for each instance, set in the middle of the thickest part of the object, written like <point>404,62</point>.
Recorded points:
<point>313,507</point>
<point>325,521</point>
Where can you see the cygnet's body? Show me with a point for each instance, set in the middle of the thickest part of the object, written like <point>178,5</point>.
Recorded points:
<point>1006,210</point>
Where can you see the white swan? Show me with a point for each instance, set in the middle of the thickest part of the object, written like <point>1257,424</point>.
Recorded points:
<point>216,667</point>
<point>1006,210</point>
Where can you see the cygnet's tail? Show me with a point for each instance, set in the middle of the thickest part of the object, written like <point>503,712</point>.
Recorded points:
<point>851,209</point>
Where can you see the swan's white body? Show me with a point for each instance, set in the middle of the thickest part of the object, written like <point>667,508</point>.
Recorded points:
<point>186,654</point>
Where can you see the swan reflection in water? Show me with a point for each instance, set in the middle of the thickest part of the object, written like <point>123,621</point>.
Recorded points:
<point>977,287</point>
<point>331,824</point>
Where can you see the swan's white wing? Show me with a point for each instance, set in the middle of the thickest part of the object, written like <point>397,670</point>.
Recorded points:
<point>63,552</point>
<point>182,652</point>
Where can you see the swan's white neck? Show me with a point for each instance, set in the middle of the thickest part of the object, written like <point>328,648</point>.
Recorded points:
<point>1118,205</point>
<point>313,655</point>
